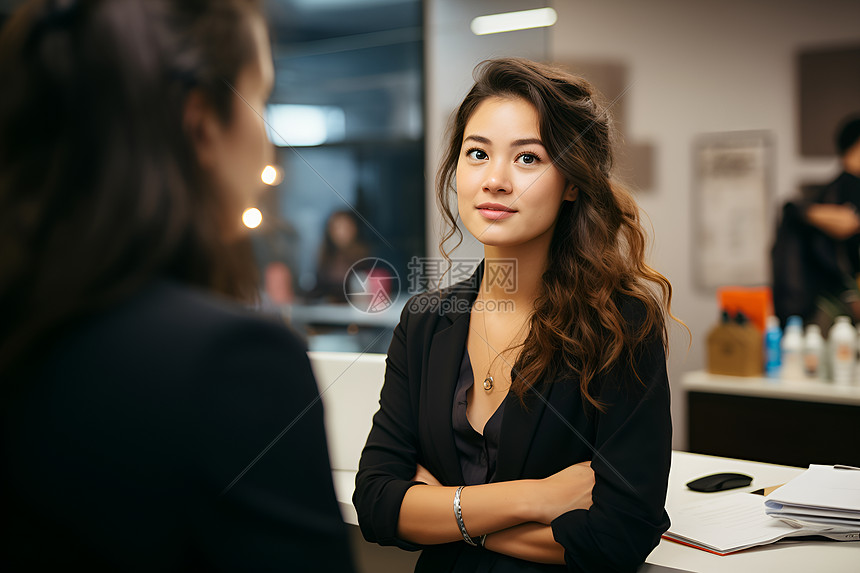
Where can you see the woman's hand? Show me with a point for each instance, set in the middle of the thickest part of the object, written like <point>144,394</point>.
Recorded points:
<point>423,475</point>
<point>564,491</point>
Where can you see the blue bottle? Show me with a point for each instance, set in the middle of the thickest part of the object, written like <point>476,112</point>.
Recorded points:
<point>772,348</point>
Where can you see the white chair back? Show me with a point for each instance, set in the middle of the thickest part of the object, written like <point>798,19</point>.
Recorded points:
<point>349,384</point>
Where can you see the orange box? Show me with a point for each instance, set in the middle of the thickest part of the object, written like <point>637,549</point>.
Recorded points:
<point>755,302</point>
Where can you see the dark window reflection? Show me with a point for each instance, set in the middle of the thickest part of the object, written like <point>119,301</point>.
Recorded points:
<point>347,115</point>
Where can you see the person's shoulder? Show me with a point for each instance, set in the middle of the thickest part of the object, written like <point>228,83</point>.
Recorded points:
<point>169,314</point>
<point>633,310</point>
<point>188,300</point>
<point>640,314</point>
<point>174,342</point>
<point>846,178</point>
<point>209,313</point>
<point>641,365</point>
<point>842,189</point>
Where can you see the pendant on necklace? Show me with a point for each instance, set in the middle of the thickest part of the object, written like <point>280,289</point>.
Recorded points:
<point>488,383</point>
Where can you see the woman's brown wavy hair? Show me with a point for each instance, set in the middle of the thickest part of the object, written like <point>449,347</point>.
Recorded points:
<point>598,247</point>
<point>100,188</point>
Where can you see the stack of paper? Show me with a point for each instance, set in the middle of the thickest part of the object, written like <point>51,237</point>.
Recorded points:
<point>730,523</point>
<point>822,496</point>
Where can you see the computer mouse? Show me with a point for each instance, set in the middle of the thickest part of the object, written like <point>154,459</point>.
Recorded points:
<point>719,482</point>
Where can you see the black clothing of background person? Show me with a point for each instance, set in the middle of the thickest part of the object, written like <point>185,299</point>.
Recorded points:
<point>117,449</point>
<point>413,425</point>
<point>812,271</point>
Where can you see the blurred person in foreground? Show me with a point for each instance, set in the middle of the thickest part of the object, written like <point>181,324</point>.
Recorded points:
<point>137,396</point>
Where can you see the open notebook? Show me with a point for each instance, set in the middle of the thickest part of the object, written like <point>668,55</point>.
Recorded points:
<point>731,523</point>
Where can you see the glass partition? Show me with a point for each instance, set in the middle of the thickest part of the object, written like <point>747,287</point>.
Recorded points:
<point>346,211</point>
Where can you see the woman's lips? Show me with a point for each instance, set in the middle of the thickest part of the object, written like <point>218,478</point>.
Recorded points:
<point>495,214</point>
<point>495,211</point>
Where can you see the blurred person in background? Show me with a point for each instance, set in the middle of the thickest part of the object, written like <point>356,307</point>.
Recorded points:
<point>816,256</point>
<point>341,249</point>
<point>275,244</point>
<point>137,393</point>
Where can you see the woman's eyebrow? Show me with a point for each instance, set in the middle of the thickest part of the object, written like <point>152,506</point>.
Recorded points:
<point>528,141</point>
<point>514,143</point>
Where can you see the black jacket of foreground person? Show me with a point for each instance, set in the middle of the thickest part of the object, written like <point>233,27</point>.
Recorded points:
<point>118,448</point>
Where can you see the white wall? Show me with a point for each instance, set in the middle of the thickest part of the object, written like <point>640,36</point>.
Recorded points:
<point>698,67</point>
<point>451,53</point>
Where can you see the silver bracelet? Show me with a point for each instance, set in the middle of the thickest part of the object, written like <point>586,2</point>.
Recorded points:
<point>458,513</point>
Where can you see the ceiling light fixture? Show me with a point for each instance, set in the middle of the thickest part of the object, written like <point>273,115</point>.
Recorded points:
<point>510,21</point>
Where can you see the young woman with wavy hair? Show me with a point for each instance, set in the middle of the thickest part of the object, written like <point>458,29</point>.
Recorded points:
<point>524,422</point>
<point>136,394</point>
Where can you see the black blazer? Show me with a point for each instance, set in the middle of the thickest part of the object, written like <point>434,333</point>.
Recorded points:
<point>629,445</point>
<point>116,453</point>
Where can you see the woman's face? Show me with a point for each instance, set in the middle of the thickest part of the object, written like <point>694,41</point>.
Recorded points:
<point>234,153</point>
<point>508,191</point>
<point>342,230</point>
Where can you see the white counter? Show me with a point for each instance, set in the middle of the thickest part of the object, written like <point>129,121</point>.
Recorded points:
<point>809,391</point>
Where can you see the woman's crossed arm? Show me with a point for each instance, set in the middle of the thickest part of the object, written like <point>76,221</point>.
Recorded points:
<point>514,514</point>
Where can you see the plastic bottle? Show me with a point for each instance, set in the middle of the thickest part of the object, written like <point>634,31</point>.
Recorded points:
<point>772,350</point>
<point>792,349</point>
<point>813,353</point>
<point>843,347</point>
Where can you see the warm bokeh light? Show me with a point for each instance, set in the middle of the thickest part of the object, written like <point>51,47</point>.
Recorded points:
<point>252,218</point>
<point>269,175</point>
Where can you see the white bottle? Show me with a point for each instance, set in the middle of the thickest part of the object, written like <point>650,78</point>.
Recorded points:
<point>792,349</point>
<point>813,353</point>
<point>843,348</point>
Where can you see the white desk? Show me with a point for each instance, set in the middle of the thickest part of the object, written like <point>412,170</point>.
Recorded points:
<point>784,556</point>
<point>351,385</point>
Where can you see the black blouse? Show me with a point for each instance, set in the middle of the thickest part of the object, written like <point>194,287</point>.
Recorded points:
<point>477,453</point>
